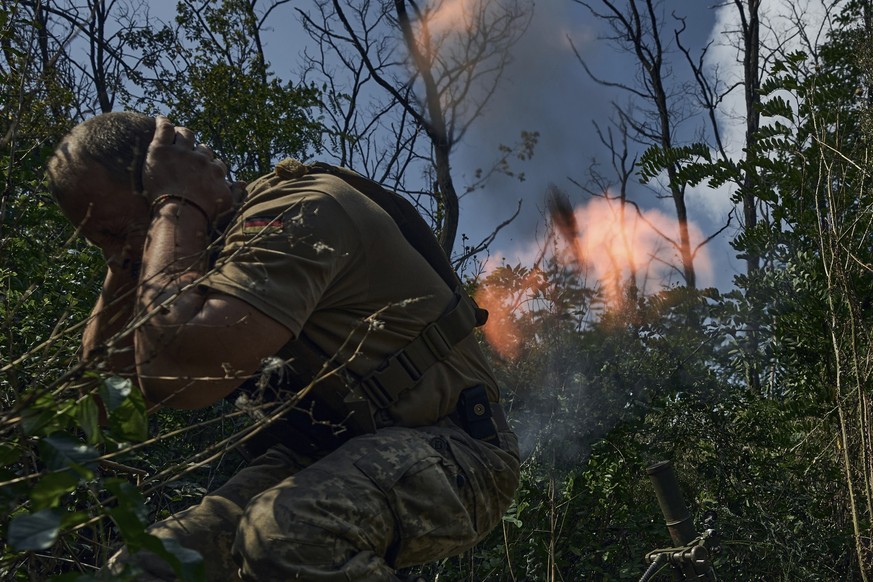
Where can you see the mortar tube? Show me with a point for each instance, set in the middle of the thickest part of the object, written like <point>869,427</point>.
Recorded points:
<point>669,495</point>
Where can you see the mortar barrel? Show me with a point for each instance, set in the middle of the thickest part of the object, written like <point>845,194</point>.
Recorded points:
<point>669,495</point>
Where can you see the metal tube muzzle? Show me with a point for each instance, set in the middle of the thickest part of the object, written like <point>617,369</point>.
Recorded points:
<point>676,514</point>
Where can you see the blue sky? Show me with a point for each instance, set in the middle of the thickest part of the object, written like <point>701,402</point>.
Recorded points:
<point>546,90</point>
<point>549,91</point>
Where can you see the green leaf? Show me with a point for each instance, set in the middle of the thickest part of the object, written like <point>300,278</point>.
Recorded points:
<point>114,391</point>
<point>129,420</point>
<point>131,518</point>
<point>126,409</point>
<point>129,497</point>
<point>49,490</point>
<point>187,563</point>
<point>37,421</point>
<point>71,519</point>
<point>89,419</point>
<point>130,526</point>
<point>34,531</point>
<point>9,453</point>
<point>62,451</point>
<point>513,520</point>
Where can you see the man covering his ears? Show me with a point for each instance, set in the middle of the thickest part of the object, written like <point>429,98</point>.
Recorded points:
<point>418,463</point>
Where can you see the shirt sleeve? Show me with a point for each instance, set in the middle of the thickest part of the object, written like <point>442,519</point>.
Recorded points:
<point>280,256</point>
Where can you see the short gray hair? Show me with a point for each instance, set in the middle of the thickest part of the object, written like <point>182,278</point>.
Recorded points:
<point>117,141</point>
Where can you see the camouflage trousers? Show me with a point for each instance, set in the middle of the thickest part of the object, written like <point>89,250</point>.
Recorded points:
<point>383,501</point>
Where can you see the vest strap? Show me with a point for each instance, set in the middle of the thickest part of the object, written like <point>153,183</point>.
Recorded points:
<point>400,372</point>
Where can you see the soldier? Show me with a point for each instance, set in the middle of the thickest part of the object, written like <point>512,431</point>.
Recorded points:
<point>378,472</point>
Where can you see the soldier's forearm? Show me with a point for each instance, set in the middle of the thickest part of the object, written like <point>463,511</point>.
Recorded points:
<point>174,257</point>
<point>102,338</point>
<point>104,345</point>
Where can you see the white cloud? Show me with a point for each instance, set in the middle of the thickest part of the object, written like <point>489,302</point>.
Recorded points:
<point>786,26</point>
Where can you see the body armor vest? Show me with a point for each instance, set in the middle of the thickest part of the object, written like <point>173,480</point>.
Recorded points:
<point>336,404</point>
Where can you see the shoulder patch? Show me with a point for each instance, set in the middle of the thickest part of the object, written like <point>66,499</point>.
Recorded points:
<point>263,225</point>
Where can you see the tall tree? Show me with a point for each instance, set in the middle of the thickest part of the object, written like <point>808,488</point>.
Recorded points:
<point>85,46</point>
<point>750,33</point>
<point>211,67</point>
<point>455,56</point>
<point>735,163</point>
<point>639,30</point>
<point>814,154</point>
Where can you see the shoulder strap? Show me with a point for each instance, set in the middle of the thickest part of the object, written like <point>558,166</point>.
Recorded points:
<point>409,221</point>
<point>400,372</point>
<point>346,393</point>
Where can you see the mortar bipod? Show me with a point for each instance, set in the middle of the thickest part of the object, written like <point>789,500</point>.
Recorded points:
<point>690,558</point>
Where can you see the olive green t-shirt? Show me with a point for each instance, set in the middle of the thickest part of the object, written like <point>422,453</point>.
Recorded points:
<point>322,259</point>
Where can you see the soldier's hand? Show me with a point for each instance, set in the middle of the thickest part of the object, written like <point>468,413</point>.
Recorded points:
<point>178,167</point>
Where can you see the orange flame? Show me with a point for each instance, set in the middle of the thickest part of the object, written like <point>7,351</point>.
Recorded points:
<point>618,245</point>
<point>448,15</point>
<point>504,302</point>
<point>607,245</point>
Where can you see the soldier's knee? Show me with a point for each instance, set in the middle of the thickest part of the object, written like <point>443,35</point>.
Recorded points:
<point>271,539</point>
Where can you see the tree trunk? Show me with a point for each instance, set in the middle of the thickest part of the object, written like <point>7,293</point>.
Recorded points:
<point>434,125</point>
<point>751,40</point>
